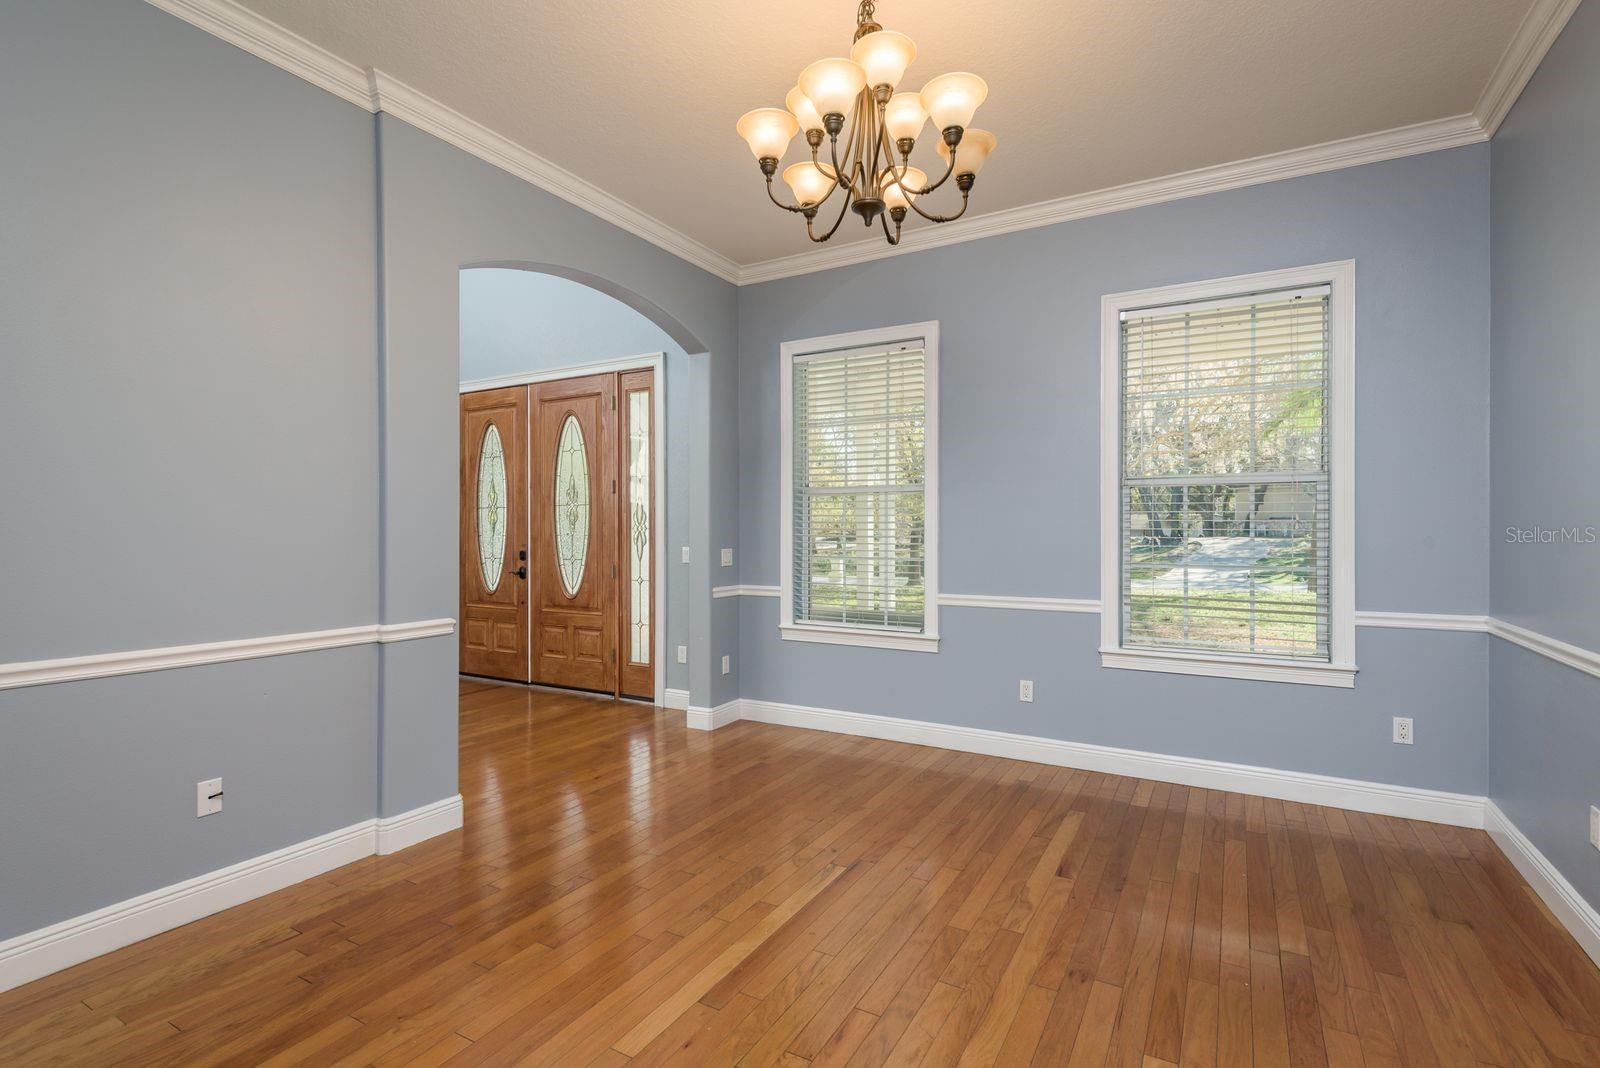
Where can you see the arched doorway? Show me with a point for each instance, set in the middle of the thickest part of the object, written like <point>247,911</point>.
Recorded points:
<point>556,366</point>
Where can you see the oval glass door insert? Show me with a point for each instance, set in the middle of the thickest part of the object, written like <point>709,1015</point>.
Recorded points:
<point>571,505</point>
<point>491,508</point>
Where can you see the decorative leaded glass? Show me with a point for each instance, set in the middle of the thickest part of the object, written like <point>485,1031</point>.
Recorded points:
<point>639,525</point>
<point>571,505</point>
<point>491,508</point>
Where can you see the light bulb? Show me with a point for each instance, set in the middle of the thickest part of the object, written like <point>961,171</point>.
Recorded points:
<point>884,55</point>
<point>832,85</point>
<point>767,131</point>
<point>974,148</point>
<point>801,107</point>
<point>903,116</point>
<point>895,194</point>
<point>810,181</point>
<point>952,99</point>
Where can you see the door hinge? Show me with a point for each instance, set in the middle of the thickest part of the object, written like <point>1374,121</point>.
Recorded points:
<point>613,408</point>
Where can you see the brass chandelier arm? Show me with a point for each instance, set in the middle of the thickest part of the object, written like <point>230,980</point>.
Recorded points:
<point>942,218</point>
<point>905,162</point>
<point>843,210</point>
<point>894,238</point>
<point>797,209</point>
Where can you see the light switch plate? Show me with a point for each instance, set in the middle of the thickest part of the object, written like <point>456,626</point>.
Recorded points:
<point>727,558</point>
<point>207,797</point>
<point>1594,826</point>
<point>686,554</point>
<point>727,664</point>
<point>683,654</point>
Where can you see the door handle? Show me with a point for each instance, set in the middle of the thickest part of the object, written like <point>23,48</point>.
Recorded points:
<point>521,572</point>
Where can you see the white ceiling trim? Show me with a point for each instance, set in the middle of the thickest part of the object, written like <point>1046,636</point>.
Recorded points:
<point>1334,155</point>
<point>1539,29</point>
<point>376,91</point>
<point>282,48</point>
<point>430,116</point>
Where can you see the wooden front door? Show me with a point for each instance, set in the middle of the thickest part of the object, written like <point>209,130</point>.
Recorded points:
<point>494,533</point>
<point>574,556</point>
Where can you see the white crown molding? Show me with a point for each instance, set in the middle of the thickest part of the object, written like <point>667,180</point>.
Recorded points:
<point>1585,660</point>
<point>745,591</point>
<point>1314,159</point>
<point>1576,914</point>
<point>376,91</point>
<point>38,953</point>
<point>265,39</point>
<point>1438,806</point>
<point>136,661</point>
<point>1537,32</point>
<point>395,98</point>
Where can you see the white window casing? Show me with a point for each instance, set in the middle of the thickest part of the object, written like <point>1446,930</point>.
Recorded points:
<point>1226,476</point>
<point>859,488</point>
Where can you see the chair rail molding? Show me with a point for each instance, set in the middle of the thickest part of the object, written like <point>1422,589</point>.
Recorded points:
<point>136,661</point>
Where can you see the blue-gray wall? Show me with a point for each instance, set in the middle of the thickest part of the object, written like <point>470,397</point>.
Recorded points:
<point>228,381</point>
<point>1019,452</point>
<point>188,450</point>
<point>514,322</point>
<point>1546,450</point>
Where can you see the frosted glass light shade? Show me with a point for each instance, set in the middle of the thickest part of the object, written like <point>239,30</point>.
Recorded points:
<point>884,55</point>
<point>904,115</point>
<point>801,107</point>
<point>896,197</point>
<point>810,181</point>
<point>767,131</point>
<point>971,153</point>
<point>832,85</point>
<point>952,99</point>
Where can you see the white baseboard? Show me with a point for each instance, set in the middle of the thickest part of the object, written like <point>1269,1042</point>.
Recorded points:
<point>395,833</point>
<point>38,953</point>
<point>709,719</point>
<point>1436,806</point>
<point>1563,899</point>
<point>678,699</point>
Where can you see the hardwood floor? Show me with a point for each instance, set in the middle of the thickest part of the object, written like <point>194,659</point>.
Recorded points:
<point>629,892</point>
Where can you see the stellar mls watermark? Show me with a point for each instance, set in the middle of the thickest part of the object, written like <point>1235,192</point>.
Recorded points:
<point>1553,535</point>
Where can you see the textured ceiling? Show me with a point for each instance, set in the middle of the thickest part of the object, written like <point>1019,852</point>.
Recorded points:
<point>640,98</point>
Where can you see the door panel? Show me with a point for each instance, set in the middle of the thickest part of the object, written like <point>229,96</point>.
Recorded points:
<point>636,532</point>
<point>573,566</point>
<point>494,533</point>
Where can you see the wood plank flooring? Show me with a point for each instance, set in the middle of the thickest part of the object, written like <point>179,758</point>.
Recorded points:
<point>628,892</point>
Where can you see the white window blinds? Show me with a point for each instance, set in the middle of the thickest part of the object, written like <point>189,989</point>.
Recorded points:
<point>1225,495</point>
<point>859,511</point>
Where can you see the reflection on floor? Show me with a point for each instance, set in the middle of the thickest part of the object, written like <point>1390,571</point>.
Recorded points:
<point>627,891</point>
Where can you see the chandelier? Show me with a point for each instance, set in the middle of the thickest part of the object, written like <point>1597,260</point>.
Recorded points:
<point>873,176</point>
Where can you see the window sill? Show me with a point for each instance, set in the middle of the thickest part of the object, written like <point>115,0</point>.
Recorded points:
<point>870,639</point>
<point>1305,672</point>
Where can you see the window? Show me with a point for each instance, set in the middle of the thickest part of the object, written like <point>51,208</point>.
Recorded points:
<point>860,488</point>
<point>1226,478</point>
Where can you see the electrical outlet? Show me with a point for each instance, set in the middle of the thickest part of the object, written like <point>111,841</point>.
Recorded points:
<point>686,554</point>
<point>727,664</point>
<point>207,797</point>
<point>1025,690</point>
<point>683,654</point>
<point>727,558</point>
<point>1594,826</point>
<point>1402,730</point>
